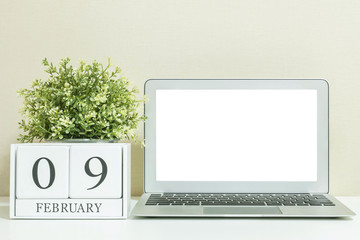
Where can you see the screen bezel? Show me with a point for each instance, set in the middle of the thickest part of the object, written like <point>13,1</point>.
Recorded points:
<point>319,186</point>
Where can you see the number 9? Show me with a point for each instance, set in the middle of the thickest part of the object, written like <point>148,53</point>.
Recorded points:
<point>91,174</point>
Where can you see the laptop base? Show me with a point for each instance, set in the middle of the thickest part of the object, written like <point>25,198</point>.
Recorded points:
<point>339,210</point>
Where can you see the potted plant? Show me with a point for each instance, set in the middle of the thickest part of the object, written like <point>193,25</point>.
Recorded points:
<point>91,101</point>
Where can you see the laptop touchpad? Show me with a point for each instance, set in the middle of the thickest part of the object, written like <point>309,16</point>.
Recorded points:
<point>242,210</point>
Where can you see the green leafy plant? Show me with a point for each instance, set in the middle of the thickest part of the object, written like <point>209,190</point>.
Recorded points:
<point>91,101</point>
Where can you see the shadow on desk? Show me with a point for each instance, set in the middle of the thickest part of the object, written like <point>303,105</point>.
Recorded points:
<point>242,218</point>
<point>4,212</point>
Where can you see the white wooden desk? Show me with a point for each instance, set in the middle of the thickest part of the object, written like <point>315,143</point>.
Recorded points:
<point>185,228</point>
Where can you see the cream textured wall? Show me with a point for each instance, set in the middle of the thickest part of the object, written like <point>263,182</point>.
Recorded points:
<point>192,39</point>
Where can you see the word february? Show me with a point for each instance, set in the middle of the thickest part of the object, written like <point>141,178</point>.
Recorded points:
<point>68,207</point>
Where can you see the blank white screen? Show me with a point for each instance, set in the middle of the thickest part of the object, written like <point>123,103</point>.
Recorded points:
<point>236,135</point>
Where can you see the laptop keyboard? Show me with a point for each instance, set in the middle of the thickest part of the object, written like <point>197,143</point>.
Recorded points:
<point>180,199</point>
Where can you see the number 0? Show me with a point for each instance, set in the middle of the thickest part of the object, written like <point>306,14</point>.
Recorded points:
<point>35,173</point>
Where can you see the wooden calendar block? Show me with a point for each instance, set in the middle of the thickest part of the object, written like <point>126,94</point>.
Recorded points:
<point>96,172</point>
<point>42,172</point>
<point>70,180</point>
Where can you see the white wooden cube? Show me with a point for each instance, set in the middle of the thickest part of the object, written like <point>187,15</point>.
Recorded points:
<point>92,198</point>
<point>42,172</point>
<point>96,171</point>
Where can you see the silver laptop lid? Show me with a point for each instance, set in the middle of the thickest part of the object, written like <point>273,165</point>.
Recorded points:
<point>236,135</point>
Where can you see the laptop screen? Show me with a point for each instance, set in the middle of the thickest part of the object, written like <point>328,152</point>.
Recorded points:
<point>236,135</point>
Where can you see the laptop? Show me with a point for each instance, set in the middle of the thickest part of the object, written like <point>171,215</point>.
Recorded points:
<point>237,148</point>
